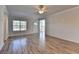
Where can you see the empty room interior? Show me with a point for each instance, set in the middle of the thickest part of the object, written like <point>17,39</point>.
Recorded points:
<point>39,29</point>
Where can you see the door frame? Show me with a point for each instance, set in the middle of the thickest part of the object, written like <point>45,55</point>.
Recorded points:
<point>39,24</point>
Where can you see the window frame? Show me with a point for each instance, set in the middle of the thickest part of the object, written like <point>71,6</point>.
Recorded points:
<point>19,25</point>
<point>23,25</point>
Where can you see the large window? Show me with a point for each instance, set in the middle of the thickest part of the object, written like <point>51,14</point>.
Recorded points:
<point>23,25</point>
<point>19,25</point>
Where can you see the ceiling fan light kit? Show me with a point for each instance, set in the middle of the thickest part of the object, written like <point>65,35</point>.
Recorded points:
<point>41,9</point>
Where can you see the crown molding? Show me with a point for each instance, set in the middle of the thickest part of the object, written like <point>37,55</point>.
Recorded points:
<point>63,11</point>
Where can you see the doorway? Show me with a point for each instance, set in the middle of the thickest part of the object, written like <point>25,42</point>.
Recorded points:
<point>42,33</point>
<point>42,27</point>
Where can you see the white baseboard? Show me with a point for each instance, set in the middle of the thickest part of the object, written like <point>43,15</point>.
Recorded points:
<point>20,34</point>
<point>63,38</point>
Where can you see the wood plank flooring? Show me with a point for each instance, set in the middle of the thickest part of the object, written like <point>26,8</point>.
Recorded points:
<point>32,44</point>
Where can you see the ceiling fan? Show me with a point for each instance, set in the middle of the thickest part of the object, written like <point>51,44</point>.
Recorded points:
<point>41,9</point>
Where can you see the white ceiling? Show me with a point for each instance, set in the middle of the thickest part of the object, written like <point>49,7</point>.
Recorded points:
<point>30,10</point>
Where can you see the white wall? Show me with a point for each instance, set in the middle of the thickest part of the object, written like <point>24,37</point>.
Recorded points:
<point>2,24</point>
<point>64,25</point>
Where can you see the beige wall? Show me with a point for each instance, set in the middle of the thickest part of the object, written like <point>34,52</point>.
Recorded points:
<point>5,23</point>
<point>64,25</point>
<point>2,25</point>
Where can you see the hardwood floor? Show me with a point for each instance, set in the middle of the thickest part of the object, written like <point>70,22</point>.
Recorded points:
<point>32,44</point>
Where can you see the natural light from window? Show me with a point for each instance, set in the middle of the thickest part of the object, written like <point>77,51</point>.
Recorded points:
<point>19,25</point>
